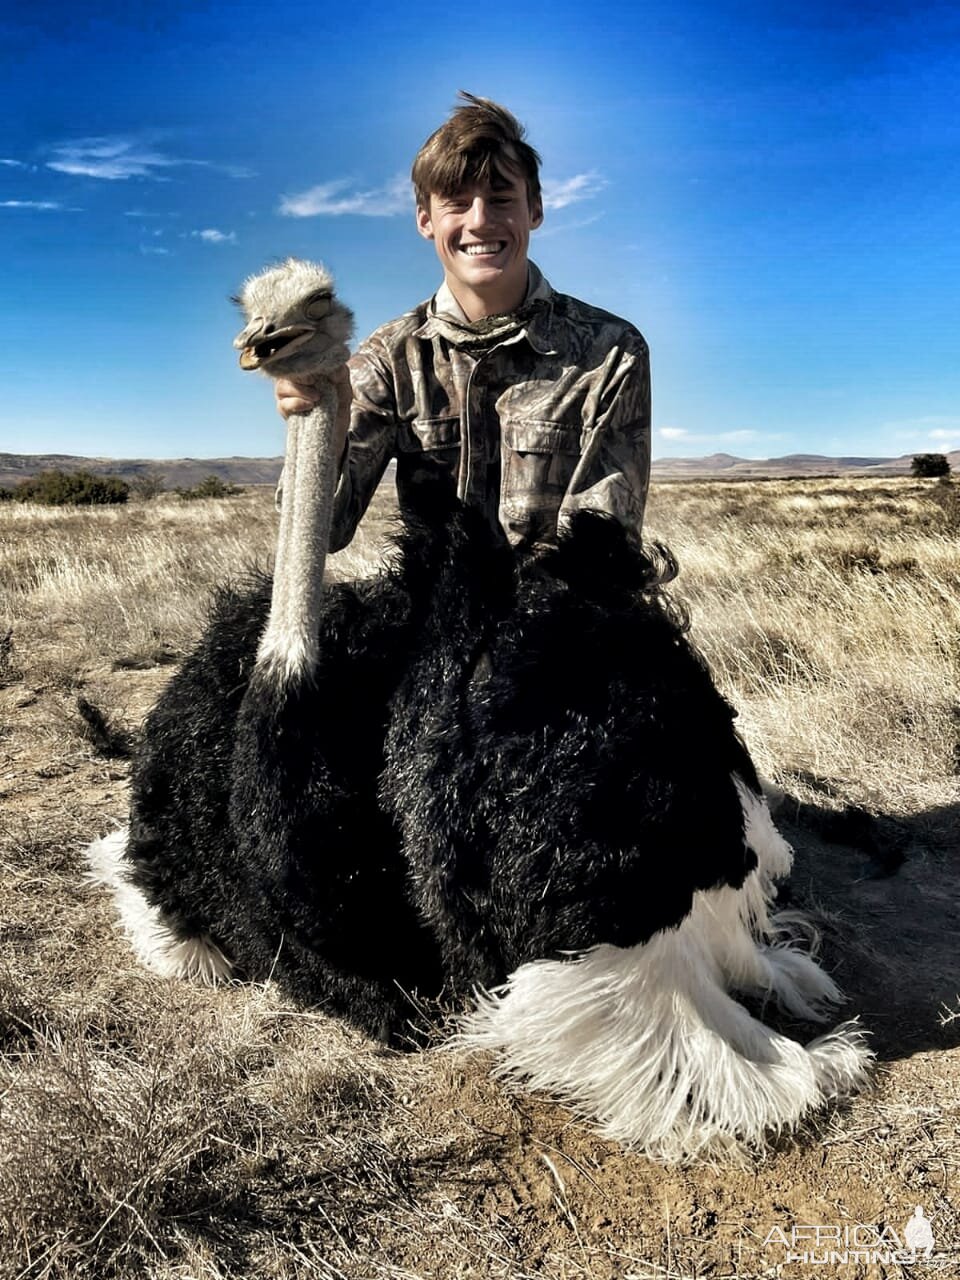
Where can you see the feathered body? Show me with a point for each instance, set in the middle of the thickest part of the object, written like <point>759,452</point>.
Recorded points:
<point>560,763</point>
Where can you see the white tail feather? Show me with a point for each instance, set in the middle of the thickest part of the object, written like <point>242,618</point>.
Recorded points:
<point>647,1043</point>
<point>155,942</point>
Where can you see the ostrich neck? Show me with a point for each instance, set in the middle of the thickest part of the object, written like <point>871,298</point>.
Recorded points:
<point>288,648</point>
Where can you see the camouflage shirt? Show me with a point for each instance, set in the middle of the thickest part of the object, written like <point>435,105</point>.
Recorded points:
<point>528,416</point>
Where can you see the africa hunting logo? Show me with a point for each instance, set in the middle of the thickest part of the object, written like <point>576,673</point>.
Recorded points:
<point>826,1244</point>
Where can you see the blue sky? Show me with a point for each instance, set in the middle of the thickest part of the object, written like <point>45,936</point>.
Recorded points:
<point>769,191</point>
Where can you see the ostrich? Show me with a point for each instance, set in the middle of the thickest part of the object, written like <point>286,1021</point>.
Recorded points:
<point>422,782</point>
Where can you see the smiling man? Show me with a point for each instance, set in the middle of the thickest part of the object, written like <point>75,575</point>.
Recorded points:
<point>526,402</point>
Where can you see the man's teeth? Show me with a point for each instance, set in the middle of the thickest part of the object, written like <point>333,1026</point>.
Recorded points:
<point>475,250</point>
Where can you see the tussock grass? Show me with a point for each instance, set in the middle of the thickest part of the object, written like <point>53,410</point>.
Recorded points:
<point>129,583</point>
<point>154,1131</point>
<point>831,618</point>
<point>131,580</point>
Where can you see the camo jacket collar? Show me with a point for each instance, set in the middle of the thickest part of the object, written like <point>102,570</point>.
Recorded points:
<point>532,320</point>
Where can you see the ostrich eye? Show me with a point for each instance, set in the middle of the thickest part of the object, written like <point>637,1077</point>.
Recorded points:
<point>317,307</point>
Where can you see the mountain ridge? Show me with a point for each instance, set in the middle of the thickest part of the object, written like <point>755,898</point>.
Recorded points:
<point>728,466</point>
<point>180,473</point>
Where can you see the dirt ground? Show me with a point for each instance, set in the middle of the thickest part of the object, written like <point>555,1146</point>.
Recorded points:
<point>334,1158</point>
<point>540,1193</point>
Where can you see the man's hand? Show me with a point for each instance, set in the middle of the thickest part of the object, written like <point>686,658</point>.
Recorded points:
<point>294,397</point>
<point>301,397</point>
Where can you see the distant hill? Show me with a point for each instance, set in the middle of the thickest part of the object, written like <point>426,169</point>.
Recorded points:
<point>728,467</point>
<point>184,473</point>
<point>178,473</point>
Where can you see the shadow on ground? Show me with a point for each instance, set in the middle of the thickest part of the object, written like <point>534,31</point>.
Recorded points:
<point>889,920</point>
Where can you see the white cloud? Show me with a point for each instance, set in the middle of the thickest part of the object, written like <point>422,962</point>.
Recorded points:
<point>946,439</point>
<point>14,164</point>
<point>910,428</point>
<point>118,158</point>
<point>109,158</point>
<point>740,436</point>
<point>551,230</point>
<point>212,236</point>
<point>582,186</point>
<point>35,204</point>
<point>334,199</point>
<point>153,250</point>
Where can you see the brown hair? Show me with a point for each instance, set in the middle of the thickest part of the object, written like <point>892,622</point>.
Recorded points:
<point>481,142</point>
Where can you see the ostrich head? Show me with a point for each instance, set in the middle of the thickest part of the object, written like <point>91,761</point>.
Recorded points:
<point>295,325</point>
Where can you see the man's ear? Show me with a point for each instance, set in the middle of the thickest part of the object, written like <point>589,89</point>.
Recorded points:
<point>424,223</point>
<point>536,214</point>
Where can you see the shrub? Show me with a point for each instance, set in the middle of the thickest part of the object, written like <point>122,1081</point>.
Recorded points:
<point>928,465</point>
<point>946,497</point>
<point>148,484</point>
<point>210,487</point>
<point>64,488</point>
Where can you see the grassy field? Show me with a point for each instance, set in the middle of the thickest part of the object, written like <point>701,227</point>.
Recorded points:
<point>150,1129</point>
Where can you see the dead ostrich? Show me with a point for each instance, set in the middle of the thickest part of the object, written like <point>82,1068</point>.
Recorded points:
<point>419,780</point>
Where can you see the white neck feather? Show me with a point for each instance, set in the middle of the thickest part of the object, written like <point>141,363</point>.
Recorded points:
<point>288,648</point>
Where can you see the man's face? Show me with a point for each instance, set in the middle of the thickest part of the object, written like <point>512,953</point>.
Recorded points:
<point>481,236</point>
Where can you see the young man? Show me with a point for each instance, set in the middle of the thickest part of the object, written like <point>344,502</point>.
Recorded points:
<point>528,403</point>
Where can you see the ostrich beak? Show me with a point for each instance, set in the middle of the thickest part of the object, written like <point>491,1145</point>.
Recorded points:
<point>258,347</point>
<point>248,359</point>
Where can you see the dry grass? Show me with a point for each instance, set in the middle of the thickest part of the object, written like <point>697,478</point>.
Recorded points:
<point>154,1130</point>
<point>122,583</point>
<point>831,616</point>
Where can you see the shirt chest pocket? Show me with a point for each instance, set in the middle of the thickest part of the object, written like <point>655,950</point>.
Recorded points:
<point>538,460</point>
